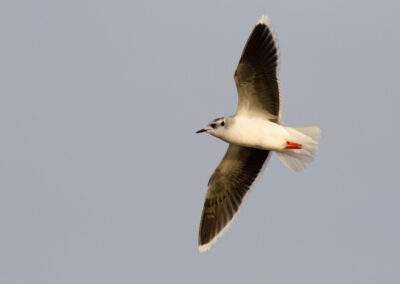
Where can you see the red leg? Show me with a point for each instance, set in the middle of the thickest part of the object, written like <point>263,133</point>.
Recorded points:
<point>292,145</point>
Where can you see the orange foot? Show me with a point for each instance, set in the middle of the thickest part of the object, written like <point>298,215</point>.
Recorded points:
<point>292,145</point>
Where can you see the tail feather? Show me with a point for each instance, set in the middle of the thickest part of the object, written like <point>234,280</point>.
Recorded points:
<point>308,137</point>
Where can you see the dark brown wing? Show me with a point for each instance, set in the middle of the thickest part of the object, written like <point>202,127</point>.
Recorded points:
<point>256,75</point>
<point>226,189</point>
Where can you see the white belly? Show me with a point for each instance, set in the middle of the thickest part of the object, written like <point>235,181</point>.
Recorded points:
<point>256,133</point>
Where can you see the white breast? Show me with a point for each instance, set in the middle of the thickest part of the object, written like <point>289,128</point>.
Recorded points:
<point>255,132</point>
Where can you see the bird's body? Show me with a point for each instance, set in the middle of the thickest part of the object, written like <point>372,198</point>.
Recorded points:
<point>252,133</point>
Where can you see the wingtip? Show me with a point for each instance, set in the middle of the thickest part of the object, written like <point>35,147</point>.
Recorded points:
<point>207,246</point>
<point>204,248</point>
<point>264,19</point>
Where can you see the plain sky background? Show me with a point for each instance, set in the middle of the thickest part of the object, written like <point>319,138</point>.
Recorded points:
<point>102,179</point>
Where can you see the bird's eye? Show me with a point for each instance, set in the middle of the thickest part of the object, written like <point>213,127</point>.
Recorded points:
<point>222,123</point>
<point>213,125</point>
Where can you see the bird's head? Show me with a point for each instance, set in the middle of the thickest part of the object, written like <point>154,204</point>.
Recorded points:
<point>215,127</point>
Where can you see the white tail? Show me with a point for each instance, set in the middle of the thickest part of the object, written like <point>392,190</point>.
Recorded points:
<point>298,159</point>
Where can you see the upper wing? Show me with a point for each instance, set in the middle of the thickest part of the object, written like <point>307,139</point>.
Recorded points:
<point>226,189</point>
<point>256,76</point>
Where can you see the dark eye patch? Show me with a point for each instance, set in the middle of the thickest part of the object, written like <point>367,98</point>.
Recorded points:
<point>223,123</point>
<point>213,125</point>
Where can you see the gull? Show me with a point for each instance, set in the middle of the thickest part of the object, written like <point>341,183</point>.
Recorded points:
<point>252,133</point>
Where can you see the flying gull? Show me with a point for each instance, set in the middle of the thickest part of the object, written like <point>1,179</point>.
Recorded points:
<point>252,133</point>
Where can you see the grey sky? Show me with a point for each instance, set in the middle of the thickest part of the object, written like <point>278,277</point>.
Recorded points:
<point>102,179</point>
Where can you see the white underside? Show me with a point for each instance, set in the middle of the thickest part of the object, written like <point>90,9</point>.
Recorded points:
<point>260,133</point>
<point>254,132</point>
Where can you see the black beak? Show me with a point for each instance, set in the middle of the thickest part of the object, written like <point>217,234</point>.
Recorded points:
<point>201,130</point>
